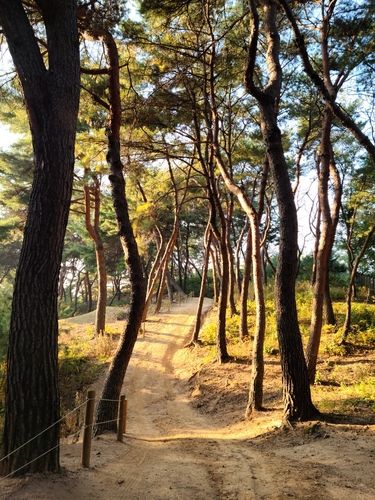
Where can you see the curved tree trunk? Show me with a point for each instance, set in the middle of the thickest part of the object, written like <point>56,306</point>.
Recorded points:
<point>106,411</point>
<point>160,267</point>
<point>89,291</point>
<point>296,389</point>
<point>172,240</point>
<point>151,282</point>
<point>198,318</point>
<point>327,235</point>
<point>94,232</point>
<point>32,397</point>
<point>244,332</point>
<point>214,275</point>
<point>237,259</point>
<point>221,343</point>
<point>163,279</point>
<point>232,278</point>
<point>257,374</point>
<point>257,366</point>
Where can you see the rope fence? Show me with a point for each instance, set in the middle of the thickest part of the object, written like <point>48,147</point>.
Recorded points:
<point>87,430</point>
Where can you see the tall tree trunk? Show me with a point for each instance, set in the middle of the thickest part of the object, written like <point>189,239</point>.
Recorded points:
<point>94,231</point>
<point>329,220</point>
<point>62,276</point>
<point>221,343</point>
<point>329,314</point>
<point>162,262</point>
<point>152,278</point>
<point>169,287</point>
<point>76,292</point>
<point>237,259</point>
<point>163,279</point>
<point>89,291</point>
<point>214,275</point>
<point>51,96</point>
<point>296,389</point>
<point>316,246</point>
<point>232,278</point>
<point>257,366</point>
<point>244,332</point>
<point>198,317</point>
<point>106,412</point>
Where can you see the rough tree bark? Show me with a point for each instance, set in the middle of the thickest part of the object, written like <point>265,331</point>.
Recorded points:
<point>296,388</point>
<point>198,318</point>
<point>329,220</point>
<point>51,96</point>
<point>107,408</point>
<point>93,230</point>
<point>329,217</point>
<point>243,330</point>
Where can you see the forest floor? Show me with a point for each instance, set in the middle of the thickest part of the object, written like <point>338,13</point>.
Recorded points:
<point>186,438</point>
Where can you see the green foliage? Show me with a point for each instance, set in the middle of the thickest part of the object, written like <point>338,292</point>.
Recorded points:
<point>76,373</point>
<point>334,349</point>
<point>5,308</point>
<point>66,309</point>
<point>82,358</point>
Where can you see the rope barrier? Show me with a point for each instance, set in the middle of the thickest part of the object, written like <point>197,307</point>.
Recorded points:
<point>31,461</point>
<point>99,423</point>
<point>42,432</point>
<point>110,400</point>
<point>50,427</point>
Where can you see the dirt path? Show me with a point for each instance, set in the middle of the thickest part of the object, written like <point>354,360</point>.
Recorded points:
<point>172,452</point>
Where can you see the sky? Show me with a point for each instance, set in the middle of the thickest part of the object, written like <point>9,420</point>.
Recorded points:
<point>6,137</point>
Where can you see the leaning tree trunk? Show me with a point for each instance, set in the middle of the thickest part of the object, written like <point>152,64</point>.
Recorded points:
<point>329,313</point>
<point>152,278</point>
<point>244,331</point>
<point>329,222</point>
<point>232,276</point>
<point>88,291</point>
<point>162,263</point>
<point>198,317</point>
<point>94,232</point>
<point>296,388</point>
<point>257,374</point>
<point>163,279</point>
<point>51,96</point>
<point>257,366</point>
<point>221,343</point>
<point>214,275</point>
<point>106,412</point>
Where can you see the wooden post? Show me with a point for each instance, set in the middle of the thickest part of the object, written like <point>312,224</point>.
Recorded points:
<point>120,422</point>
<point>125,416</point>
<point>87,433</point>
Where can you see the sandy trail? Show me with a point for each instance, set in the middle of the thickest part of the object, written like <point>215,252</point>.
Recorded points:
<point>172,452</point>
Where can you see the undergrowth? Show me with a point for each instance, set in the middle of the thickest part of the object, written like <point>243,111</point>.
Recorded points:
<point>82,359</point>
<point>345,381</point>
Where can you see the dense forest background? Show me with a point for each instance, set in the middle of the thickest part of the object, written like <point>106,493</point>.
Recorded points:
<point>222,148</point>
